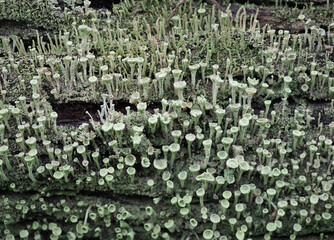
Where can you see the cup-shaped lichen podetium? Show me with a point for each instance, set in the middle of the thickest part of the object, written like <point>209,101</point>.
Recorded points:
<point>220,115</point>
<point>130,160</point>
<point>179,86</point>
<point>200,193</point>
<point>93,80</point>
<point>296,136</point>
<point>190,138</point>
<point>29,163</point>
<point>131,172</point>
<point>145,162</point>
<point>222,156</point>
<point>2,174</point>
<point>232,163</point>
<point>161,77</point>
<point>84,31</point>
<point>58,175</point>
<point>24,234</point>
<point>193,70</point>
<point>56,231</point>
<point>195,114</point>
<point>216,82</point>
<point>31,142</point>
<point>136,140</point>
<point>119,128</point>
<point>208,234</point>
<point>4,154</point>
<point>145,83</point>
<point>265,171</point>
<point>207,149</point>
<point>160,165</point>
<point>82,151</point>
<point>173,148</point>
<point>170,225</point>
<point>152,122</point>
<point>243,124</point>
<point>176,134</point>
<point>227,141</point>
<point>182,176</point>
<point>107,79</point>
<point>194,169</point>
<point>141,107</point>
<point>132,62</point>
<point>205,178</point>
<point>176,74</point>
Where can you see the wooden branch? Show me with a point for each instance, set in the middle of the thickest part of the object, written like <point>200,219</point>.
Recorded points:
<point>219,7</point>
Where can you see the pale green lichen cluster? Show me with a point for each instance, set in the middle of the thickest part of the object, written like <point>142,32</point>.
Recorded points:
<point>21,17</point>
<point>226,156</point>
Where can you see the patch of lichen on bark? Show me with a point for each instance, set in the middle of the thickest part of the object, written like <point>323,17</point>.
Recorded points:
<point>50,197</point>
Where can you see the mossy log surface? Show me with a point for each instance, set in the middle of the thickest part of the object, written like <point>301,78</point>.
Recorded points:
<point>99,139</point>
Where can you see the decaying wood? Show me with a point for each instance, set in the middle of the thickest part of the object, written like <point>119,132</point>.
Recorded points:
<point>266,16</point>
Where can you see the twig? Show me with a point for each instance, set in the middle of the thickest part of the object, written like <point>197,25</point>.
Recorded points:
<point>172,13</point>
<point>86,215</point>
<point>219,7</point>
